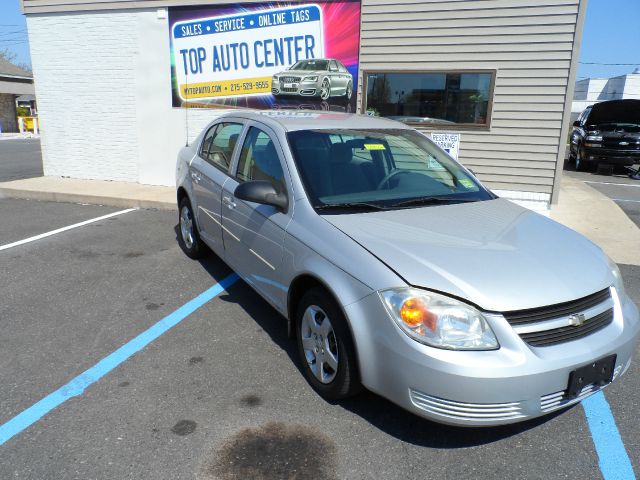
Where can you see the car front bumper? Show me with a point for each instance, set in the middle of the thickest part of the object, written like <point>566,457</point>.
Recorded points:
<point>482,388</point>
<point>612,156</point>
<point>301,89</point>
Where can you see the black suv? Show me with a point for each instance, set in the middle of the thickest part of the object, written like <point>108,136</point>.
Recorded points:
<point>607,132</point>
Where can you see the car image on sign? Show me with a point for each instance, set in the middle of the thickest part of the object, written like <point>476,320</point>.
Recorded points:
<point>321,77</point>
<point>396,270</point>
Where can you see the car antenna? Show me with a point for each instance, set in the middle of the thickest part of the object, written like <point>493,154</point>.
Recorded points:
<point>186,111</point>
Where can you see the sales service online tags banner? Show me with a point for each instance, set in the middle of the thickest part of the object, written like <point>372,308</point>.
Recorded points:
<point>284,55</point>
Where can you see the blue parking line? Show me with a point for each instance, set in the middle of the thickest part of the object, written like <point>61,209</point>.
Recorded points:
<point>612,456</point>
<point>78,385</point>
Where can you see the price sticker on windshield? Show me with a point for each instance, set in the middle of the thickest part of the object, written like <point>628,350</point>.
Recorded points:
<point>374,146</point>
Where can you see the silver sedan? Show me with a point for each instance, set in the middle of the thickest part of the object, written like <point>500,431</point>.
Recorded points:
<point>322,77</point>
<point>398,271</point>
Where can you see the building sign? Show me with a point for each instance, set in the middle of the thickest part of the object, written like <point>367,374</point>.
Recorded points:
<point>269,56</point>
<point>449,142</point>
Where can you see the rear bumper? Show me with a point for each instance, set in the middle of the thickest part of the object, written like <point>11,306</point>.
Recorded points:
<point>615,157</point>
<point>512,384</point>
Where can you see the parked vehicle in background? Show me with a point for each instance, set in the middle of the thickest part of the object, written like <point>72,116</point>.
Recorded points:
<point>397,270</point>
<point>318,77</point>
<point>607,132</point>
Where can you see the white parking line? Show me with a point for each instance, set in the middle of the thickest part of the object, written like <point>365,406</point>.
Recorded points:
<point>625,200</point>
<point>64,229</point>
<point>611,183</point>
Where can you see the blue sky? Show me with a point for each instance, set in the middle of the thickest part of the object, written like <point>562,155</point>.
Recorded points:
<point>611,35</point>
<point>13,30</point>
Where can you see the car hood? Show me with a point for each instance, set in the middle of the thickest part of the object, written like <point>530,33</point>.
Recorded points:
<point>494,254</point>
<point>304,73</point>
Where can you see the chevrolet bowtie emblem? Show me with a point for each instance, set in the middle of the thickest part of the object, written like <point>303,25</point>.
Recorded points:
<point>577,319</point>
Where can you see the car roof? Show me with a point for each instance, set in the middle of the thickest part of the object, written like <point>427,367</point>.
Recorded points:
<point>314,120</point>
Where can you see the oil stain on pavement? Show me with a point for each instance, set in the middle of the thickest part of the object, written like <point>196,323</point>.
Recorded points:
<point>275,451</point>
<point>184,427</point>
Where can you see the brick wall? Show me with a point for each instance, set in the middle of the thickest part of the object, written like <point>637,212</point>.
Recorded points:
<point>83,66</point>
<point>8,112</point>
<point>103,83</point>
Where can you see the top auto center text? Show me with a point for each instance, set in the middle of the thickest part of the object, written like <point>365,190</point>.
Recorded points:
<point>266,52</point>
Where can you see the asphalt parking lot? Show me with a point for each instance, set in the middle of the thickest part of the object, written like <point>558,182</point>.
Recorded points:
<point>220,394</point>
<point>20,158</point>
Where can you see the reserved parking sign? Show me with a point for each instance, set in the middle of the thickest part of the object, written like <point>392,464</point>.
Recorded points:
<point>237,55</point>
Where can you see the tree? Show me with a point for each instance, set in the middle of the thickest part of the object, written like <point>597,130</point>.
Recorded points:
<point>10,57</point>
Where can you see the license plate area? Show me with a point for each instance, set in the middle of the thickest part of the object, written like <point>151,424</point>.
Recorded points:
<point>290,85</point>
<point>598,373</point>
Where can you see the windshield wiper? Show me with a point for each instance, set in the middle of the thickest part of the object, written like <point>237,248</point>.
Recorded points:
<point>432,201</point>
<point>350,206</point>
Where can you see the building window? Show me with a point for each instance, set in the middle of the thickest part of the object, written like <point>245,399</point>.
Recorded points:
<point>438,98</point>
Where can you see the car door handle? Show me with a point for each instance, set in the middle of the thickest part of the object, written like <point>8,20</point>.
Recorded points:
<point>228,201</point>
<point>195,177</point>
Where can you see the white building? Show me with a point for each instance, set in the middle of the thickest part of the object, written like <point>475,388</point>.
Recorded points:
<point>593,90</point>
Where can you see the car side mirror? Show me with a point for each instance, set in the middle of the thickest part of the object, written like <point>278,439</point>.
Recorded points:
<point>576,123</point>
<point>263,192</point>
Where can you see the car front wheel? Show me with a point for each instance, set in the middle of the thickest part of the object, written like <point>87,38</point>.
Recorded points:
<point>325,89</point>
<point>325,346</point>
<point>581,164</point>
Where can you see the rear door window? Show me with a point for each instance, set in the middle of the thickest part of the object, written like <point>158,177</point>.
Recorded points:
<point>219,143</point>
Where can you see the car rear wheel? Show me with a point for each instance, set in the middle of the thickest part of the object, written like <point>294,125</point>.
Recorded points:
<point>349,91</point>
<point>325,89</point>
<point>189,238</point>
<point>325,346</point>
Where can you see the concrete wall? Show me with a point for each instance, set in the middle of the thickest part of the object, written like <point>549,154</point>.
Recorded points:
<point>8,120</point>
<point>104,90</point>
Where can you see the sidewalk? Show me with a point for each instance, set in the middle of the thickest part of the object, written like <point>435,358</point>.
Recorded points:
<point>115,194</point>
<point>17,136</point>
<point>598,218</point>
<point>581,207</point>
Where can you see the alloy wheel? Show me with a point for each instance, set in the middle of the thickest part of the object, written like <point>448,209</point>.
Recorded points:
<point>186,227</point>
<point>325,90</point>
<point>320,344</point>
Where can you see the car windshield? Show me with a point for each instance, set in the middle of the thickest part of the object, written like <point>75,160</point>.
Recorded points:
<point>379,169</point>
<point>311,65</point>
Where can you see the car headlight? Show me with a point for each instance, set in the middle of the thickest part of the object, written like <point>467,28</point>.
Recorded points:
<point>439,321</point>
<point>594,138</point>
<point>310,79</point>
<point>274,80</point>
<point>618,283</point>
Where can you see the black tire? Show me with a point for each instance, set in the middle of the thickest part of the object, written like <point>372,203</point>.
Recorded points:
<point>195,248</point>
<point>581,164</point>
<point>348,92</point>
<point>346,381</point>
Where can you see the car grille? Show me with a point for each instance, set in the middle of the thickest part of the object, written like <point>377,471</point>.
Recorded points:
<point>554,401</point>
<point>290,79</point>
<point>466,411</point>
<point>541,314</point>
<point>566,334</point>
<point>549,325</point>
<point>633,143</point>
<point>289,90</point>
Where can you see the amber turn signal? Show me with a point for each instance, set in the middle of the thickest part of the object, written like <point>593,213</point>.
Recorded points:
<point>414,313</point>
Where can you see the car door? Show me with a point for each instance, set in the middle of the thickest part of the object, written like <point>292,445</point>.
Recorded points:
<point>253,233</point>
<point>338,83</point>
<point>209,171</point>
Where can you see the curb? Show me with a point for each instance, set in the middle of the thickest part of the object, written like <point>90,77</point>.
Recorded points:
<point>119,202</point>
